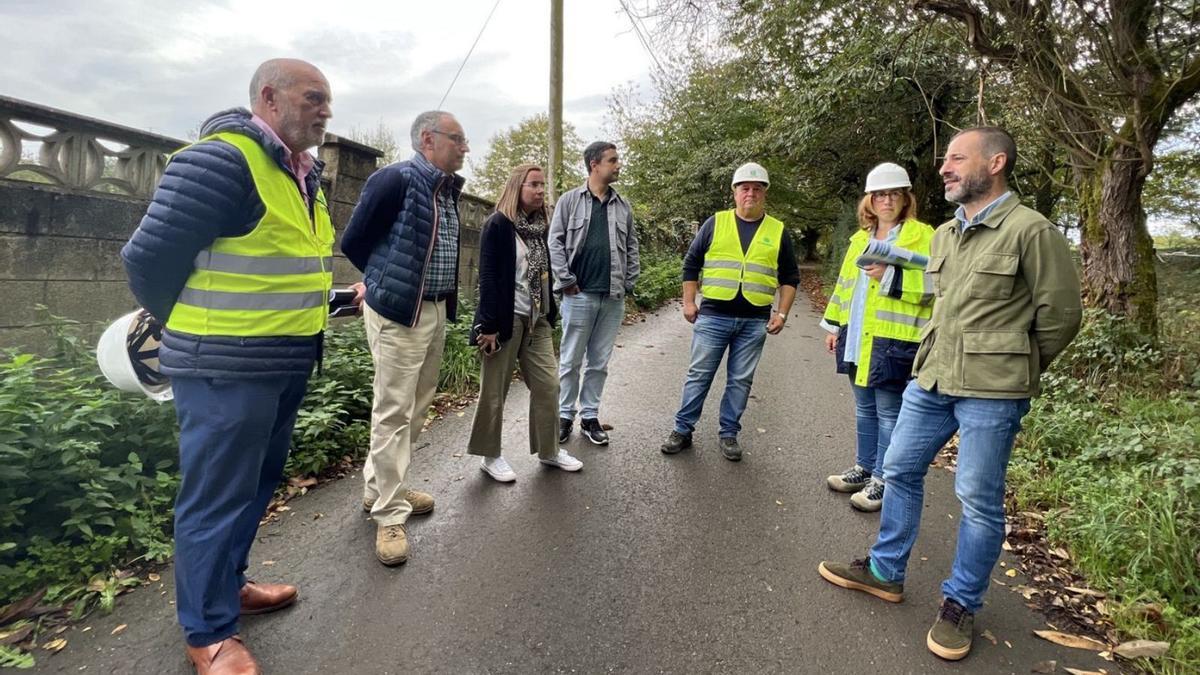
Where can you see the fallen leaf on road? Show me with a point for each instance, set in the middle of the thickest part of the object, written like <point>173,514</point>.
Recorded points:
<point>778,503</point>
<point>1141,649</point>
<point>460,414</point>
<point>1072,641</point>
<point>284,508</point>
<point>1086,591</point>
<point>1076,671</point>
<point>119,629</point>
<point>153,577</point>
<point>762,430</point>
<point>1045,667</point>
<point>1006,546</point>
<point>1060,553</point>
<point>318,516</point>
<point>55,645</point>
<point>1010,573</point>
<point>12,637</point>
<point>86,629</point>
<point>302,482</point>
<point>457,454</point>
<point>1008,644</point>
<point>268,563</point>
<point>987,635</point>
<point>458,479</point>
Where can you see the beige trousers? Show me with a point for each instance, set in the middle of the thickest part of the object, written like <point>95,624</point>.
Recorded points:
<point>532,349</point>
<point>406,375</point>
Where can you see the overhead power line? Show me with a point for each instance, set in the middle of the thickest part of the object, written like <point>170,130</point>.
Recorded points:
<point>469,52</point>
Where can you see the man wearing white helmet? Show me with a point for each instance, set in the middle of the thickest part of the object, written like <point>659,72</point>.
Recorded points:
<point>740,260</point>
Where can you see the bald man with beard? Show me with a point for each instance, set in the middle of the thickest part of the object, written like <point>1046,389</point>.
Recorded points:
<point>233,258</point>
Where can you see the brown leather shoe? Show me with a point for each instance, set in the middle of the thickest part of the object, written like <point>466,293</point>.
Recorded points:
<point>264,598</point>
<point>421,502</point>
<point>227,657</point>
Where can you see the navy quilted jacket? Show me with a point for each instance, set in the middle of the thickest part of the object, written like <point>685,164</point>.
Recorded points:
<point>390,235</point>
<point>207,192</point>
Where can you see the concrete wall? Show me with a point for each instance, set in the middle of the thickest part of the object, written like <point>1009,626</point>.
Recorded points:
<point>59,246</point>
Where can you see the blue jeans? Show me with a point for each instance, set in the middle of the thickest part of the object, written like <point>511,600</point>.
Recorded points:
<point>589,328</point>
<point>712,336</point>
<point>234,437</point>
<point>986,430</point>
<point>875,412</point>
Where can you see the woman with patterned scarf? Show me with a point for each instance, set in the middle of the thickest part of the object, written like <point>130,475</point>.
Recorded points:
<point>514,325</point>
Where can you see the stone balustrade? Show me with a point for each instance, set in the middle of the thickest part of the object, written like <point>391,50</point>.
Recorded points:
<point>47,145</point>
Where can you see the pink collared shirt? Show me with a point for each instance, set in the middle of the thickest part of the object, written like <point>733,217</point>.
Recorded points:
<point>299,163</point>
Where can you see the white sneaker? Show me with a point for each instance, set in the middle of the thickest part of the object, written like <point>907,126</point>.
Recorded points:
<point>563,461</point>
<point>498,468</point>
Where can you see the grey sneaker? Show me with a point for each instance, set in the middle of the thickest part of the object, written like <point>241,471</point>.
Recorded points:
<point>730,448</point>
<point>850,480</point>
<point>676,442</point>
<point>870,498</point>
<point>857,576</point>
<point>950,637</point>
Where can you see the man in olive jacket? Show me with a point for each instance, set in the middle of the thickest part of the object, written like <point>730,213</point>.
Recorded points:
<point>1008,302</point>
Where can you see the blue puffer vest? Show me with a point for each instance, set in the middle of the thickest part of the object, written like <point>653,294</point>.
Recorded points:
<point>395,269</point>
<point>207,192</point>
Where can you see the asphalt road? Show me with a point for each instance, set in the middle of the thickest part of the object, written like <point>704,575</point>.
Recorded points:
<point>640,563</point>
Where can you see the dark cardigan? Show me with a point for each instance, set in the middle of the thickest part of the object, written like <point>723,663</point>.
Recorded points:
<point>497,280</point>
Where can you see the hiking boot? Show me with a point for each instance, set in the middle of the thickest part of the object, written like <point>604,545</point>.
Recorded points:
<point>563,460</point>
<point>564,429</point>
<point>851,480</point>
<point>857,576</point>
<point>870,498</point>
<point>730,449</point>
<point>420,502</point>
<point>676,442</point>
<point>391,544</point>
<point>593,431</point>
<point>950,637</point>
<point>498,468</point>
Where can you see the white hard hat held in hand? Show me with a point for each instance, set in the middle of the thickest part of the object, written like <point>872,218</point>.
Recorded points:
<point>887,176</point>
<point>128,356</point>
<point>750,173</point>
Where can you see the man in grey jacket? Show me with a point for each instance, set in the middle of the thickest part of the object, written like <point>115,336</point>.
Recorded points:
<point>594,259</point>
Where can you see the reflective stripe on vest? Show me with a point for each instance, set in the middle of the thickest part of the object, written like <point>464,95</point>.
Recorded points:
<point>728,270</point>
<point>273,281</point>
<point>884,316</point>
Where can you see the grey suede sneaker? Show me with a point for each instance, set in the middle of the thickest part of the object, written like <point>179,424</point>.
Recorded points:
<point>857,576</point>
<point>950,637</point>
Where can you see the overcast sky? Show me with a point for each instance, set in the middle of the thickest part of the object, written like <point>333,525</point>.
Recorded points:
<point>165,66</point>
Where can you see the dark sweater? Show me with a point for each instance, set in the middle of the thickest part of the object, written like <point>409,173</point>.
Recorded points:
<point>787,269</point>
<point>498,279</point>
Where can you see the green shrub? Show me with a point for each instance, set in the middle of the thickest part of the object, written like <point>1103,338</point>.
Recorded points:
<point>1112,452</point>
<point>660,280</point>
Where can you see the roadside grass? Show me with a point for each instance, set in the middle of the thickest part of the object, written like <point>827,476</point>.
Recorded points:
<point>1111,454</point>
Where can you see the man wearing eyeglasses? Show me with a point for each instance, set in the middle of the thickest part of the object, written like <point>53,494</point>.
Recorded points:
<point>403,236</point>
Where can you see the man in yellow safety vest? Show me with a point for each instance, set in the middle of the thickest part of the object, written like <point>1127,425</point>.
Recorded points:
<point>234,258</point>
<point>739,260</point>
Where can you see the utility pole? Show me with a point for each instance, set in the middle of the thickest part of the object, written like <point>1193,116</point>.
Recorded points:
<point>556,83</point>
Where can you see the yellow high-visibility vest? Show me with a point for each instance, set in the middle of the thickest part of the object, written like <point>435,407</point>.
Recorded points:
<point>273,281</point>
<point>727,270</point>
<point>896,318</point>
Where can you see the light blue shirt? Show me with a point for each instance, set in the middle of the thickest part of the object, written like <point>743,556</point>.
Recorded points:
<point>961,214</point>
<point>858,307</point>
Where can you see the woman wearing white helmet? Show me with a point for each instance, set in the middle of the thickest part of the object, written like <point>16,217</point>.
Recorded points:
<point>874,319</point>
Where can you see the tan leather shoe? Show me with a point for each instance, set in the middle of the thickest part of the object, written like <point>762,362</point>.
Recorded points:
<point>421,502</point>
<point>263,598</point>
<point>391,544</point>
<point>227,657</point>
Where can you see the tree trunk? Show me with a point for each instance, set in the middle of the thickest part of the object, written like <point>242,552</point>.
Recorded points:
<point>1117,251</point>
